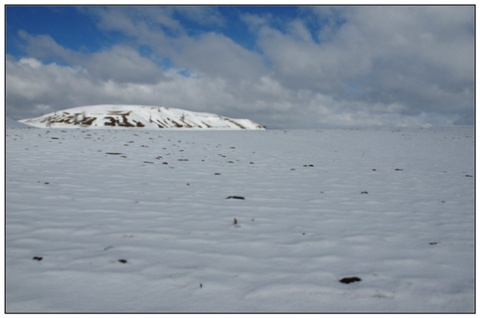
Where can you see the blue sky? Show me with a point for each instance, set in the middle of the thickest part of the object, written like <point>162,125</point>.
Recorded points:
<point>282,66</point>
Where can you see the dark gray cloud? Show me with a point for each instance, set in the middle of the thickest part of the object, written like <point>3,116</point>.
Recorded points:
<point>326,66</point>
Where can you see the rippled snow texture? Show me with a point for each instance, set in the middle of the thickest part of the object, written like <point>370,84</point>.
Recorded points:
<point>394,208</point>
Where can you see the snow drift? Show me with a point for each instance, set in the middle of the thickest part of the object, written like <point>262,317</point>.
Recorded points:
<point>135,116</point>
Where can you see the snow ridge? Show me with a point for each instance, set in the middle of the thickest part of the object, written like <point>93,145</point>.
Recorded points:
<point>136,116</point>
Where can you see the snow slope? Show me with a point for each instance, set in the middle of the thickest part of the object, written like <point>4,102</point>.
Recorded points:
<point>141,221</point>
<point>135,116</point>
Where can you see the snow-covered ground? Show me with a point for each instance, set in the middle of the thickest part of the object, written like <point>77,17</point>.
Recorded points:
<point>141,220</point>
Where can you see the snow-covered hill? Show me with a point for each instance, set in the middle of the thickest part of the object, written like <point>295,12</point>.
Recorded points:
<point>135,116</point>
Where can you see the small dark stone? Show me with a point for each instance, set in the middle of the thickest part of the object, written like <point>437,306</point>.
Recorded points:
<point>237,197</point>
<point>348,280</point>
<point>217,174</point>
<point>164,163</point>
<point>468,176</point>
<point>123,261</point>
<point>38,258</point>
<point>364,192</point>
<point>398,169</point>
<point>433,243</point>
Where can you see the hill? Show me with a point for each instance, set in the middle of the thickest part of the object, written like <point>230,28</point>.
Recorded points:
<point>136,116</point>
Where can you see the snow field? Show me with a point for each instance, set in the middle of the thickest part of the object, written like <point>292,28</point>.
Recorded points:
<point>394,208</point>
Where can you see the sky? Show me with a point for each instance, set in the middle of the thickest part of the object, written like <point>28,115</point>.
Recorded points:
<point>280,66</point>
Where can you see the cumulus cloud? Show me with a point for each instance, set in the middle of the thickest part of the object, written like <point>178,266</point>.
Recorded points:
<point>200,15</point>
<point>122,65</point>
<point>326,66</point>
<point>119,63</point>
<point>216,55</point>
<point>44,47</point>
<point>386,55</point>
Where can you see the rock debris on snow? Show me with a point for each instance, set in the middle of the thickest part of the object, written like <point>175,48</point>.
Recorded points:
<point>349,280</point>
<point>411,244</point>
<point>236,197</point>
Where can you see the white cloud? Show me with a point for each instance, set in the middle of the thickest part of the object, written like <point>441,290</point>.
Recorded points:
<point>33,63</point>
<point>123,65</point>
<point>119,63</point>
<point>43,46</point>
<point>420,56</point>
<point>216,55</point>
<point>265,100</point>
<point>201,14</point>
<point>254,21</point>
<point>132,20</point>
<point>298,30</point>
<point>362,66</point>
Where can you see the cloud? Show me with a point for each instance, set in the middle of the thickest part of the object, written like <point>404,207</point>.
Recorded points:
<point>122,65</point>
<point>200,14</point>
<point>255,21</point>
<point>325,66</point>
<point>44,47</point>
<point>133,20</point>
<point>326,21</point>
<point>119,63</point>
<point>143,22</point>
<point>382,55</point>
<point>216,55</point>
<point>35,88</point>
